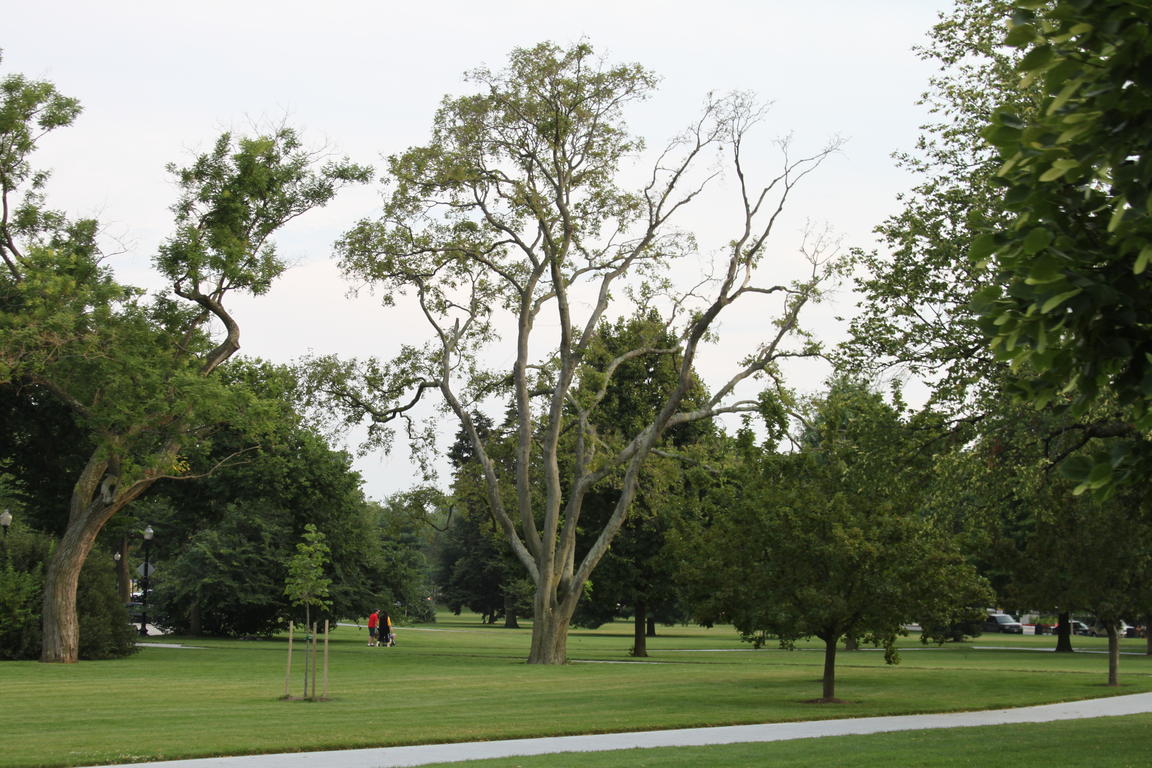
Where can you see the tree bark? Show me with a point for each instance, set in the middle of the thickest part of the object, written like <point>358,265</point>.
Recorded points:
<point>1064,634</point>
<point>510,618</point>
<point>123,581</point>
<point>651,632</point>
<point>195,621</point>
<point>639,630</point>
<point>1113,655</point>
<point>550,621</point>
<point>95,499</point>
<point>829,693</point>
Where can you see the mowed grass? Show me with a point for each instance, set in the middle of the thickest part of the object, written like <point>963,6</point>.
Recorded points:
<point>460,681</point>
<point>1120,742</point>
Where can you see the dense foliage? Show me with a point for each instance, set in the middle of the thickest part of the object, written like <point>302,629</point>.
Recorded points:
<point>1070,307</point>
<point>832,540</point>
<point>104,628</point>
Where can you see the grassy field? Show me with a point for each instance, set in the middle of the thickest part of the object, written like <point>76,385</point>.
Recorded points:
<point>1118,742</point>
<point>459,681</point>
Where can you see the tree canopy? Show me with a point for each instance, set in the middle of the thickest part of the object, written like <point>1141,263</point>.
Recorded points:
<point>513,220</point>
<point>1070,305</point>
<point>135,372</point>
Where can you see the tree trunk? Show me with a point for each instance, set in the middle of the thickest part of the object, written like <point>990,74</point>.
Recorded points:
<point>61,639</point>
<point>510,620</point>
<point>95,499</point>
<point>829,669</point>
<point>651,632</point>
<point>195,623</point>
<point>639,627</point>
<point>1064,634</point>
<point>550,621</point>
<point>123,580</point>
<point>851,643</point>
<point>1113,655</point>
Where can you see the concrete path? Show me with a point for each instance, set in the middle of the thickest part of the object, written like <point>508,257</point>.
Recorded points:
<point>394,757</point>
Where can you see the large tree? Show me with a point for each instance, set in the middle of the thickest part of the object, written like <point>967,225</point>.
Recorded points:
<point>831,540</point>
<point>1070,308</point>
<point>915,315</point>
<point>513,220</point>
<point>636,575</point>
<point>135,373</point>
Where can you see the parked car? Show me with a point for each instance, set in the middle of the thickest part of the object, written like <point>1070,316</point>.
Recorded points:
<point>1123,630</point>
<point>1003,622</point>
<point>1077,628</point>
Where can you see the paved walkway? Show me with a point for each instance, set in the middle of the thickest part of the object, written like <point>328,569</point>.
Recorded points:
<point>395,757</point>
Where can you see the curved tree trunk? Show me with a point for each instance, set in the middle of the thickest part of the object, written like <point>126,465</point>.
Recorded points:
<point>94,501</point>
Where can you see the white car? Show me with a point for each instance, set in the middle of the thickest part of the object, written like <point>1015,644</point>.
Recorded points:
<point>1099,630</point>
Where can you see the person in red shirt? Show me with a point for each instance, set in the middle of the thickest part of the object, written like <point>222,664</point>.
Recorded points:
<point>373,628</point>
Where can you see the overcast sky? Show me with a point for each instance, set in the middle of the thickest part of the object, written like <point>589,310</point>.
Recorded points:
<point>159,81</point>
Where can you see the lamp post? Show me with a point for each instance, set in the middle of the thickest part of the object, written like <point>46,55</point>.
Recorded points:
<point>144,583</point>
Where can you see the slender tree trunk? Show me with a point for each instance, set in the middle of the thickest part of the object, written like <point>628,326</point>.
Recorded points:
<point>123,582</point>
<point>288,673</point>
<point>829,694</point>
<point>1113,656</point>
<point>639,627</point>
<point>1064,634</point>
<point>307,647</point>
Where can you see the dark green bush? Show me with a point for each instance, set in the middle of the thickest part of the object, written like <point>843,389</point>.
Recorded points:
<point>104,628</point>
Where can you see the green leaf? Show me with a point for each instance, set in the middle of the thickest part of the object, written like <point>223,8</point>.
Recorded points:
<point>1037,240</point>
<point>1065,94</point>
<point>1142,260</point>
<point>1044,269</point>
<point>1020,35</point>
<point>1076,468</point>
<point>1118,214</point>
<point>1057,300</point>
<point>1036,58</point>
<point>982,247</point>
<point>1059,168</point>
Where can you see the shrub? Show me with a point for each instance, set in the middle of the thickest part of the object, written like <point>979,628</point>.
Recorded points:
<point>104,628</point>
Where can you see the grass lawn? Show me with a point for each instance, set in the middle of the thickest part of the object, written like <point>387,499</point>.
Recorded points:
<point>460,681</point>
<point>1119,742</point>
